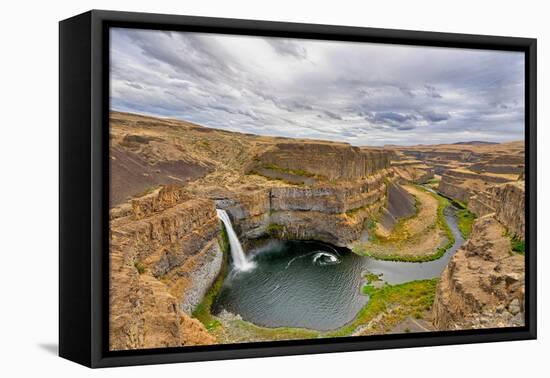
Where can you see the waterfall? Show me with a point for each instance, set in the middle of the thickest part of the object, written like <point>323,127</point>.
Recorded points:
<point>237,253</point>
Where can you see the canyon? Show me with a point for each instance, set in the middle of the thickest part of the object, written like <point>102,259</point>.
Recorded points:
<point>169,253</point>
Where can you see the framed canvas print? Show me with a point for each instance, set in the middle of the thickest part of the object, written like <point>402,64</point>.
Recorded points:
<point>234,188</point>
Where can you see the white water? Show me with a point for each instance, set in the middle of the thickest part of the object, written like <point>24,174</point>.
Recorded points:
<point>237,253</point>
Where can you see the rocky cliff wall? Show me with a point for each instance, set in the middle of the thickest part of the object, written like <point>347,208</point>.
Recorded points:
<point>483,284</point>
<point>510,207</point>
<point>454,188</point>
<point>507,202</point>
<point>333,213</point>
<point>417,173</point>
<point>330,160</point>
<point>164,256</point>
<point>464,185</point>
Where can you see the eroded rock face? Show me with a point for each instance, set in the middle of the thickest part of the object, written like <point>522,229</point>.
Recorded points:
<point>483,284</point>
<point>331,213</point>
<point>507,202</point>
<point>163,258</point>
<point>331,160</point>
<point>464,185</point>
<point>413,170</point>
<point>143,314</point>
<point>510,207</point>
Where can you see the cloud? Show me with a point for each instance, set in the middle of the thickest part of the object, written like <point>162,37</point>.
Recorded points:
<point>432,92</point>
<point>435,116</point>
<point>392,117</point>
<point>287,47</point>
<point>332,115</point>
<point>364,94</point>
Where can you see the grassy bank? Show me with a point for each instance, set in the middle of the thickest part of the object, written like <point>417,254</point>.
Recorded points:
<point>238,330</point>
<point>387,307</point>
<point>203,312</point>
<point>391,304</point>
<point>465,222</point>
<point>399,234</point>
<point>518,245</point>
<point>442,224</point>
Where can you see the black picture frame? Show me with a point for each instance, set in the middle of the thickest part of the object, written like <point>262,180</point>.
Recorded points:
<point>84,178</point>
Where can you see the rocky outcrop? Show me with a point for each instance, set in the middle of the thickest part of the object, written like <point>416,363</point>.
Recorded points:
<point>455,188</point>
<point>333,161</point>
<point>143,314</point>
<point>507,202</point>
<point>464,175</point>
<point>510,207</point>
<point>332,213</point>
<point>400,204</point>
<point>164,256</point>
<point>483,284</point>
<point>413,171</point>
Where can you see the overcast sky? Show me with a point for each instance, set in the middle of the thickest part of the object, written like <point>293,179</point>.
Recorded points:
<point>364,94</point>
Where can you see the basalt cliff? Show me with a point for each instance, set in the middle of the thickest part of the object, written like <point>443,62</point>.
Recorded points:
<point>488,178</point>
<point>167,246</point>
<point>168,179</point>
<point>483,284</point>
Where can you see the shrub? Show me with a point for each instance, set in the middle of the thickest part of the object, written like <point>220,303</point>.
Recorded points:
<point>140,267</point>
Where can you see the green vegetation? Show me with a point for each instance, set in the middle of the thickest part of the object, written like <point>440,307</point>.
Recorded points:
<point>432,182</point>
<point>140,267</point>
<point>456,203</point>
<point>204,144</point>
<point>371,227</point>
<point>465,221</point>
<point>368,289</point>
<point>442,224</point>
<point>248,331</point>
<point>391,304</point>
<point>399,231</point>
<point>518,245</point>
<point>255,172</point>
<point>399,234</point>
<point>372,277</point>
<point>396,301</point>
<point>203,312</point>
<point>274,228</point>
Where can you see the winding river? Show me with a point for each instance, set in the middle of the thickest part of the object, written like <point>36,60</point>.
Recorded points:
<point>315,285</point>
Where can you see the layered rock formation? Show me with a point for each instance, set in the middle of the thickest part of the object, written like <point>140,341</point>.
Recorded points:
<point>163,249</point>
<point>163,258</point>
<point>510,207</point>
<point>334,161</point>
<point>325,212</point>
<point>487,177</point>
<point>483,284</point>
<point>172,175</point>
<point>411,170</point>
<point>507,202</point>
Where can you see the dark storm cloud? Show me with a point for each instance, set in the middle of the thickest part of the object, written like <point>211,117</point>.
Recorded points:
<point>365,94</point>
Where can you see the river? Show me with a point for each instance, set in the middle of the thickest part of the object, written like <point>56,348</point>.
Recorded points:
<point>315,285</point>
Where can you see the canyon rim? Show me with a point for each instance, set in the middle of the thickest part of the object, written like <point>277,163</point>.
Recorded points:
<point>333,200</point>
